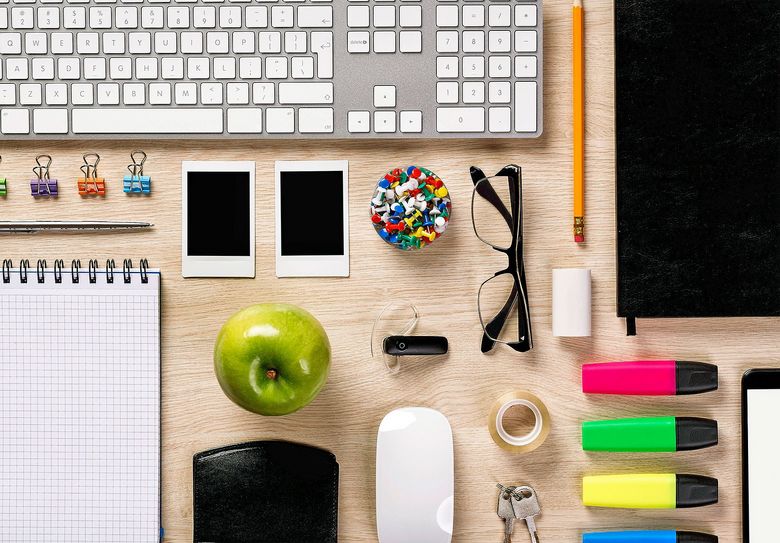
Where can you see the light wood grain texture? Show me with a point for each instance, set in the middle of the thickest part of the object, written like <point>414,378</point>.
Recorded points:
<point>345,417</point>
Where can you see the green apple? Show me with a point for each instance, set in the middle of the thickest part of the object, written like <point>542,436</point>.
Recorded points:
<point>272,359</point>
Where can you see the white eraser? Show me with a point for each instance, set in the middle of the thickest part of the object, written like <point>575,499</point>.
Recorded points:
<point>571,302</point>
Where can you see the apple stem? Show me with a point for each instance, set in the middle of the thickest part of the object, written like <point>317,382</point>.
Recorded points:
<point>272,374</point>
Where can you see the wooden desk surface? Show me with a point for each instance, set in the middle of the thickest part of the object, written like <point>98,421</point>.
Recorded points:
<point>344,418</point>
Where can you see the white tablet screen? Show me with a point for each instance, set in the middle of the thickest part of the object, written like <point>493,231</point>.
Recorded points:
<point>763,409</point>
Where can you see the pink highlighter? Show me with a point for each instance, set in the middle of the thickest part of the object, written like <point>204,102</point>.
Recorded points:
<point>649,378</point>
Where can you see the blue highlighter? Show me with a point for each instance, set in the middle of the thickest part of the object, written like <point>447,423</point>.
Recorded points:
<point>649,536</point>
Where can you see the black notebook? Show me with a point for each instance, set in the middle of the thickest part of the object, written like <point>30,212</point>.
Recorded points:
<point>698,157</point>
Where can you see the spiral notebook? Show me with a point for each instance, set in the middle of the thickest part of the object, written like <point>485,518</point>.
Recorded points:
<point>79,404</point>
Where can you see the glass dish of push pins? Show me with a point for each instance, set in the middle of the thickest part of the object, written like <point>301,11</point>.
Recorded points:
<point>411,208</point>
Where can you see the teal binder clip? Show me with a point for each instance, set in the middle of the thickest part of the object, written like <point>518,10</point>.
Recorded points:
<point>3,183</point>
<point>137,182</point>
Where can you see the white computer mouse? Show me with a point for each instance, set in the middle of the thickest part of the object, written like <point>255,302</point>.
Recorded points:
<point>415,481</point>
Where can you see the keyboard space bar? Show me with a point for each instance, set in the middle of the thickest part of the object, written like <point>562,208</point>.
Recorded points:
<point>104,120</point>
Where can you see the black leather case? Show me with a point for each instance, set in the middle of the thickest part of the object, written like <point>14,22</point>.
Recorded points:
<point>697,112</point>
<point>265,492</point>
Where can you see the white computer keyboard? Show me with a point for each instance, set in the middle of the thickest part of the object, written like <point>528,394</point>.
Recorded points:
<point>270,68</point>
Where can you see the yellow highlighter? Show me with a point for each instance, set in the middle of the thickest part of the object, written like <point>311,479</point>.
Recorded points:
<point>649,491</point>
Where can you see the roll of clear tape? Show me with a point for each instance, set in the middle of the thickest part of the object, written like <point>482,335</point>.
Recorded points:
<point>524,443</point>
<point>571,302</point>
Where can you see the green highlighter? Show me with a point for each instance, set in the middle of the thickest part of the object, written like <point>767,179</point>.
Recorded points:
<point>651,434</point>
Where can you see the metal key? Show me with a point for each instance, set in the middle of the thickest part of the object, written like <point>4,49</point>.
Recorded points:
<point>506,511</point>
<point>526,508</point>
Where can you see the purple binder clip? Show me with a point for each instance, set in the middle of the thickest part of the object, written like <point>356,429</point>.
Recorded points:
<point>43,185</point>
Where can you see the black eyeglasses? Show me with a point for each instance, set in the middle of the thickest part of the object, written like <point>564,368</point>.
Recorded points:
<point>502,301</point>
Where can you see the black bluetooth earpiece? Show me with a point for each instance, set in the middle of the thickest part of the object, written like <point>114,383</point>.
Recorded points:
<point>415,345</point>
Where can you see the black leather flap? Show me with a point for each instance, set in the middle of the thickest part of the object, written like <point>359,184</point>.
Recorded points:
<point>265,492</point>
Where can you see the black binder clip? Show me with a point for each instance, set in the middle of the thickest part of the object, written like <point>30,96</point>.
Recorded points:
<point>3,183</point>
<point>137,182</point>
<point>43,185</point>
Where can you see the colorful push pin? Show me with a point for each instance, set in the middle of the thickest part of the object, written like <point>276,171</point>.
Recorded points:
<point>91,184</point>
<point>43,185</point>
<point>3,183</point>
<point>137,182</point>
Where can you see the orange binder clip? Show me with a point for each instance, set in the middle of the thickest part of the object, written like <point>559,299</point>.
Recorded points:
<point>91,184</point>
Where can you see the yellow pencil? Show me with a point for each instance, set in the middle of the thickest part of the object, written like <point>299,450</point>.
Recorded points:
<point>578,77</point>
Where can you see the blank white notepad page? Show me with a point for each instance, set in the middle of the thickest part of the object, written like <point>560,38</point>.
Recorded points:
<point>80,409</point>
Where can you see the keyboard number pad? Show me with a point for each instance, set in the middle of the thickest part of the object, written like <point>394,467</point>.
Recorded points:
<point>486,66</point>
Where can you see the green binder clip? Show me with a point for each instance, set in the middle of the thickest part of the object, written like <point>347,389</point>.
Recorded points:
<point>3,183</point>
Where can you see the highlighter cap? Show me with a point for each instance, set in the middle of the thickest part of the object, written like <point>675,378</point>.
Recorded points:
<point>696,433</point>
<point>696,490</point>
<point>696,377</point>
<point>696,537</point>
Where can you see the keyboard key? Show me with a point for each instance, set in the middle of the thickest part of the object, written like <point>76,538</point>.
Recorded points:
<point>359,122</point>
<point>315,17</point>
<point>238,93</point>
<point>447,67</point>
<point>500,119</point>
<point>460,119</point>
<point>358,16</point>
<point>500,92</point>
<point>82,94</point>
<point>446,16</point>
<point>56,94</point>
<point>411,122</point>
<point>30,94</point>
<point>256,17</point>
<point>384,122</point>
<point>107,94</point>
<point>7,94</point>
<point>263,93</point>
<point>245,120</point>
<point>525,41</point>
<point>147,121</point>
<point>315,120</point>
<point>50,121</point>
<point>500,16</point>
<point>322,46</point>
<point>499,67</point>
<point>525,15</point>
<point>473,16</point>
<point>280,120</point>
<point>525,106</point>
<point>384,16</point>
<point>525,66</point>
<point>160,94</point>
<point>186,94</point>
<point>410,41</point>
<point>384,42</point>
<point>447,41</point>
<point>474,41</point>
<point>14,121</point>
<point>410,16</point>
<point>474,67</point>
<point>357,42</point>
<point>447,92</point>
<point>499,41</point>
<point>474,92</point>
<point>384,96</point>
<point>305,93</point>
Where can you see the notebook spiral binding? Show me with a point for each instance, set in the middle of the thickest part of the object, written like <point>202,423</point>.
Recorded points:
<point>75,270</point>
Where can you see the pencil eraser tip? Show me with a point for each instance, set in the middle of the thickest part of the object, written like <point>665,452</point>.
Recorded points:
<point>579,239</point>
